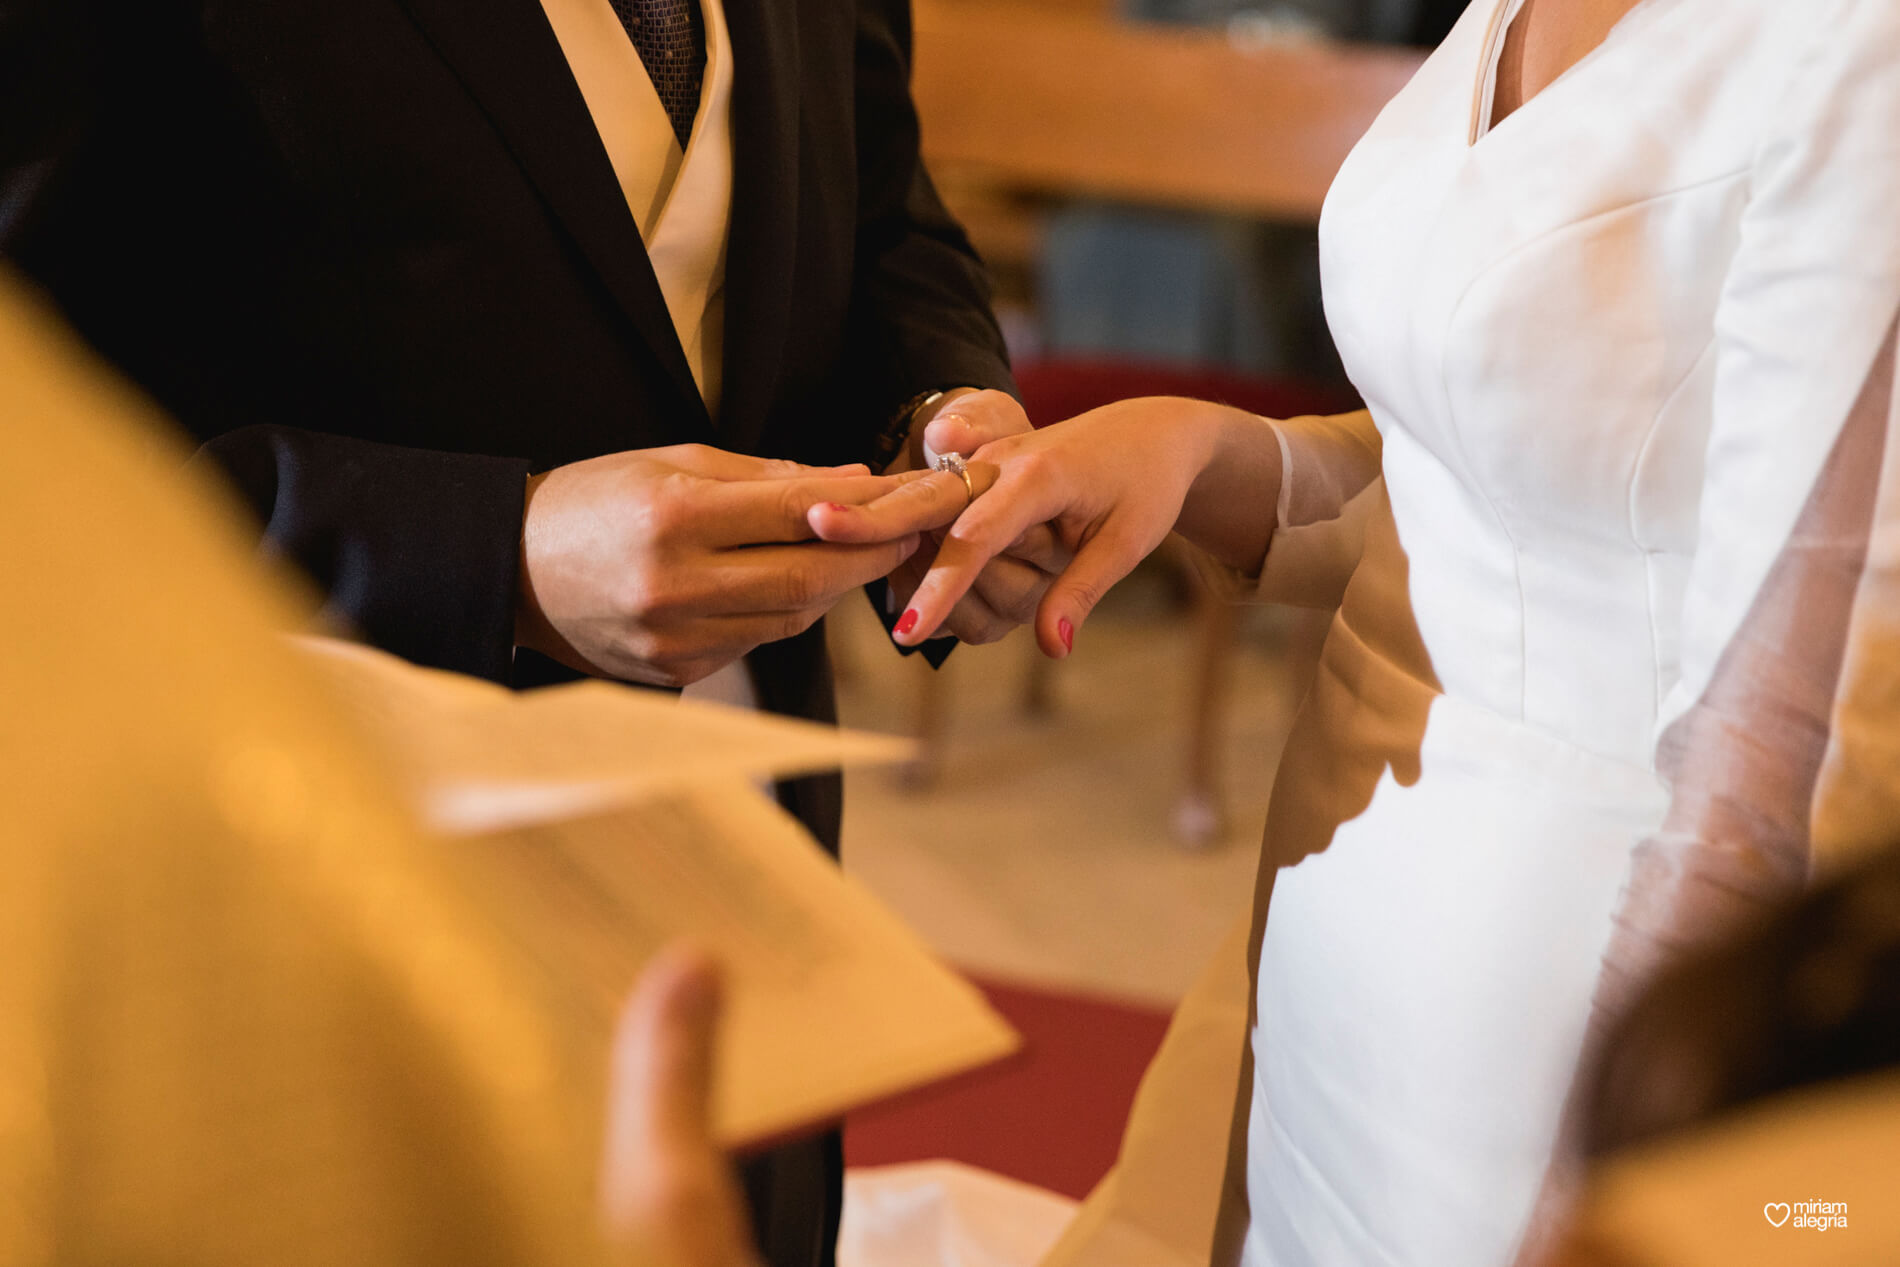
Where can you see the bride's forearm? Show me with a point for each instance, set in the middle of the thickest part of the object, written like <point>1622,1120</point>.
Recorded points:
<point>1229,509</point>
<point>1235,506</point>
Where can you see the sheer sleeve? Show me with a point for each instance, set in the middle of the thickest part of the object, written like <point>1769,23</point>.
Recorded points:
<point>1804,345</point>
<point>1856,804</point>
<point>1330,477</point>
<point>1743,761</point>
<point>1792,496</point>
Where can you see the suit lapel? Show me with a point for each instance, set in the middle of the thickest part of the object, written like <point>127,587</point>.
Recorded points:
<point>509,60</point>
<point>763,236</point>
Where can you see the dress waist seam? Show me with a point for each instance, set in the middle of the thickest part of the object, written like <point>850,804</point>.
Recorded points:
<point>1375,679</point>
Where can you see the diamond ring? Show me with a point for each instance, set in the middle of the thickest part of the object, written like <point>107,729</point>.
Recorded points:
<point>954,462</point>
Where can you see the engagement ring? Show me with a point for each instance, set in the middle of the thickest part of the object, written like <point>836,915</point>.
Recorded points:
<point>955,462</point>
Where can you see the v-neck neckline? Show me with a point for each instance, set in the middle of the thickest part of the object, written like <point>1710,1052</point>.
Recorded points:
<point>1484,92</point>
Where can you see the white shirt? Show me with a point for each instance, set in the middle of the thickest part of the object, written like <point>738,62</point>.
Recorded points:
<point>681,201</point>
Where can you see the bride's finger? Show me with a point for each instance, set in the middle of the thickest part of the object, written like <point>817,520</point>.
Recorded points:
<point>989,527</point>
<point>923,501</point>
<point>950,577</point>
<point>1106,558</point>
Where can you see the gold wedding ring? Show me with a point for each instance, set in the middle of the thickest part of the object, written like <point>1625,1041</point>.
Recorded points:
<point>955,462</point>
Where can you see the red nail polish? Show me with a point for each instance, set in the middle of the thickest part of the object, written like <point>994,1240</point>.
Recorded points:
<point>836,506</point>
<point>1066,632</point>
<point>908,621</point>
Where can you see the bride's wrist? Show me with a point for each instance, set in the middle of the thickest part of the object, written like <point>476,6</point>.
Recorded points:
<point>1230,506</point>
<point>1193,436</point>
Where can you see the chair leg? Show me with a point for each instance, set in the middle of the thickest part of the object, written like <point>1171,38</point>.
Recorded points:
<point>1198,814</point>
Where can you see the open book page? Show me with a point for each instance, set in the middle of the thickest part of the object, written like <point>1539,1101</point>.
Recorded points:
<point>603,821</point>
<point>831,1002</point>
<point>478,757</point>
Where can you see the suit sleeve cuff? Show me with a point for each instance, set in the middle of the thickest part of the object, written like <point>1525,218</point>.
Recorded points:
<point>418,550</point>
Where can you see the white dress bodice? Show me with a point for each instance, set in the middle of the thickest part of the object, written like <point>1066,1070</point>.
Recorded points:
<point>1530,313</point>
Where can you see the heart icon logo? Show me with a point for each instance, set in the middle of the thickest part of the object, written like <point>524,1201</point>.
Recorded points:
<point>1776,1212</point>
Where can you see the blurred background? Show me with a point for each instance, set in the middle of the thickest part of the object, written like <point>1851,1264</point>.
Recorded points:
<point>1144,178</point>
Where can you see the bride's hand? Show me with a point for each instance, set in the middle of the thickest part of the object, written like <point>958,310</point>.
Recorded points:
<point>1110,482</point>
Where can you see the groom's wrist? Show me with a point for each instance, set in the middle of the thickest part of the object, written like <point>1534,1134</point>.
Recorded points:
<point>902,448</point>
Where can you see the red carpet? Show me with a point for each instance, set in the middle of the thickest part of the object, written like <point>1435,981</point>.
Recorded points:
<point>1053,1116</point>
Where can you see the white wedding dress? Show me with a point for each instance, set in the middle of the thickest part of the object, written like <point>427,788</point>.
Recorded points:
<point>1599,548</point>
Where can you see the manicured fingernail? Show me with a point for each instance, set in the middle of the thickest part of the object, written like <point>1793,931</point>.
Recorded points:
<point>1066,632</point>
<point>836,506</point>
<point>907,622</point>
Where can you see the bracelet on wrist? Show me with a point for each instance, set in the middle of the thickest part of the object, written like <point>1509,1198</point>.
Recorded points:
<point>896,433</point>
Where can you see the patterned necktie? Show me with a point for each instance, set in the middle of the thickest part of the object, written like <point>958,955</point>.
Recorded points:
<point>670,35</point>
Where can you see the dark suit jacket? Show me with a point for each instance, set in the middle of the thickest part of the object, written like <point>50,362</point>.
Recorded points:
<point>372,253</point>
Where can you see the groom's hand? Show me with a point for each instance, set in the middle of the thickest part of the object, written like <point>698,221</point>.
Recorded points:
<point>664,565</point>
<point>1007,592</point>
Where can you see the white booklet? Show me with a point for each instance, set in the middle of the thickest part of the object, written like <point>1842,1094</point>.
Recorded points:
<point>476,757</point>
<point>608,820</point>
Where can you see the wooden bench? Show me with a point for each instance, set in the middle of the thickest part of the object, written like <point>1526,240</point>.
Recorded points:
<point>1046,100</point>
